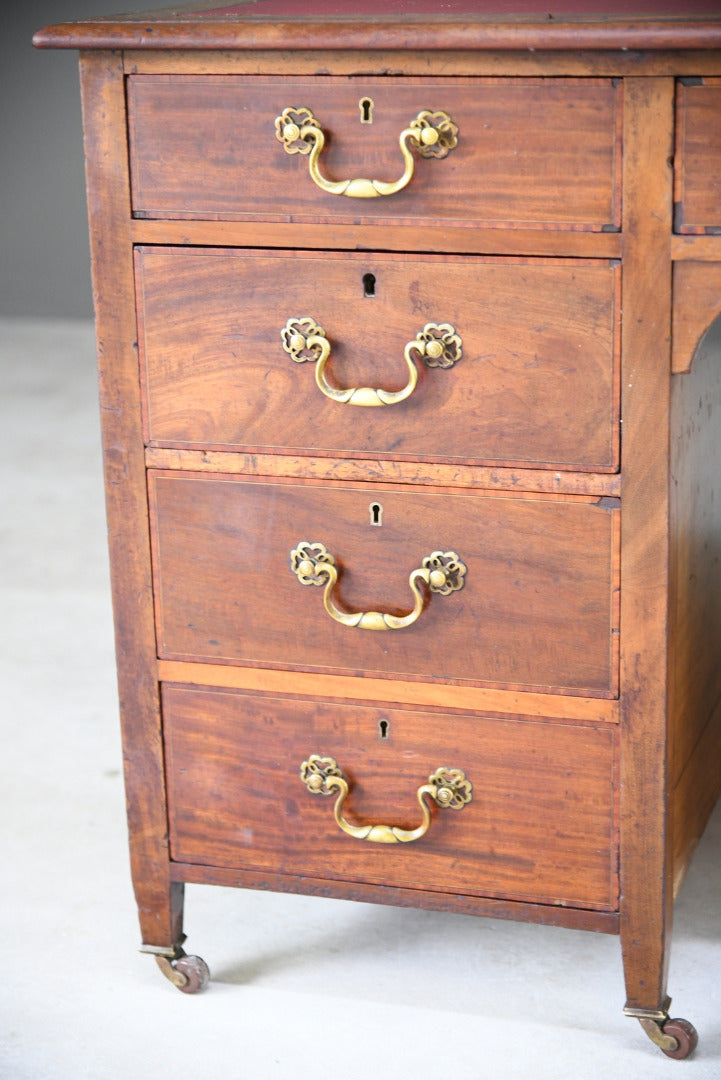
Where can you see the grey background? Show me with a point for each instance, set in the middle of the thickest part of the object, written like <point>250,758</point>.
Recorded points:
<point>44,255</point>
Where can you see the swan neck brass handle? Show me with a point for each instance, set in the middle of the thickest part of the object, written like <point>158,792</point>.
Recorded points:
<point>438,345</point>
<point>448,788</point>
<point>441,571</point>
<point>431,134</point>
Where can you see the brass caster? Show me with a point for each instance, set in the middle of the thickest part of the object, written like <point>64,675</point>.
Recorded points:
<point>675,1038</point>
<point>189,973</point>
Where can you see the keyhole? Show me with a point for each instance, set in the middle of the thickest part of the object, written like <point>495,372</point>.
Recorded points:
<point>383,726</point>
<point>366,110</point>
<point>369,284</point>
<point>376,513</point>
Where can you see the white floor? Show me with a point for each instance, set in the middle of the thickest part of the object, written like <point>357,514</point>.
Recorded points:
<point>301,987</point>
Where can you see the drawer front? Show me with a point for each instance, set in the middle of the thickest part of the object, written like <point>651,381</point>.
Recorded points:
<point>540,824</point>
<point>531,377</point>
<point>698,157</point>
<point>534,152</point>
<point>537,607</point>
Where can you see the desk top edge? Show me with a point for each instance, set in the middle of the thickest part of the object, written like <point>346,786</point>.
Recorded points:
<point>435,25</point>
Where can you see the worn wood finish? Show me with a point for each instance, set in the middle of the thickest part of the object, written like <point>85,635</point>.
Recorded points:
<point>540,825</point>
<point>439,239</point>
<point>696,304</point>
<point>536,383</point>
<point>545,152</point>
<point>363,688</point>
<point>549,915</point>
<point>602,922</point>
<point>696,248</point>
<point>695,676</point>
<point>646,861</point>
<point>160,901</point>
<point>603,64</point>
<point>697,192</point>
<point>695,794</point>
<point>537,609</point>
<point>578,668</point>
<point>422,473</point>
<point>275,26</point>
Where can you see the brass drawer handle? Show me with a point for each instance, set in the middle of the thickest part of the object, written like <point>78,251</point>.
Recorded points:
<point>442,572</point>
<point>447,787</point>
<point>437,344</point>
<point>432,134</point>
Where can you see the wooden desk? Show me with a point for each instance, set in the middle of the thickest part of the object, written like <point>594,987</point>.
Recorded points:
<point>483,615</point>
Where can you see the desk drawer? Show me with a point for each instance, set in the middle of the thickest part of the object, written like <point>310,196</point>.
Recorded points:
<point>536,607</point>
<point>534,152</point>
<point>698,157</point>
<point>531,377</point>
<point>540,824</point>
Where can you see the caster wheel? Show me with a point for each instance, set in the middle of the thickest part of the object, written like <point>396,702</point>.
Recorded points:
<point>685,1035</point>
<point>188,973</point>
<point>196,972</point>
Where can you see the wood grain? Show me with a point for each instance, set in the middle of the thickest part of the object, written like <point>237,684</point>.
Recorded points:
<point>463,61</point>
<point>696,248</point>
<point>434,238</point>
<point>697,191</point>
<point>577,672</point>
<point>646,835</point>
<point>695,650</point>
<point>485,30</point>
<point>540,826</point>
<point>602,922</point>
<point>362,688</point>
<point>537,382</point>
<point>696,304</point>
<point>695,795</point>
<point>480,478</point>
<point>545,152</point>
<point>160,901</point>
<point>537,610</point>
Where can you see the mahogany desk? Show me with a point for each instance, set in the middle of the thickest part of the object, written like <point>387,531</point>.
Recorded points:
<point>409,334</point>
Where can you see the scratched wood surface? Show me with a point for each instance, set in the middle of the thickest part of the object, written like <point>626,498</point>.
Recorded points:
<point>697,191</point>
<point>695,548</point>
<point>585,586</point>
<point>536,382</point>
<point>541,823</point>
<point>646,832</point>
<point>529,151</point>
<point>160,901</point>
<point>537,608</point>
<point>294,24</point>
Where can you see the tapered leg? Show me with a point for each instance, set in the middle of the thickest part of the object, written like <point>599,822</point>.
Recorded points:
<point>160,911</point>
<point>160,901</point>
<point>646,854</point>
<point>645,938</point>
<point>162,928</point>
